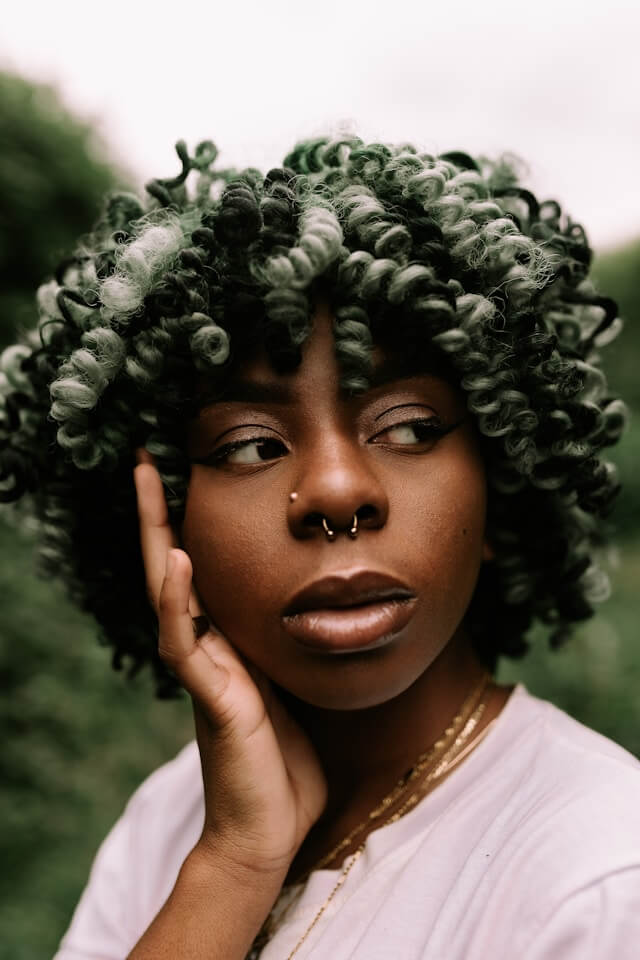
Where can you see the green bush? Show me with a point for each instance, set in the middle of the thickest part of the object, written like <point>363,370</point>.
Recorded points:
<point>52,183</point>
<point>617,273</point>
<point>78,738</point>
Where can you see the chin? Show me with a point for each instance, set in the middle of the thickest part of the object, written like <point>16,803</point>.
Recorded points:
<point>353,686</point>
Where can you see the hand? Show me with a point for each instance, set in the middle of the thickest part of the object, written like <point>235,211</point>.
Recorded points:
<point>264,787</point>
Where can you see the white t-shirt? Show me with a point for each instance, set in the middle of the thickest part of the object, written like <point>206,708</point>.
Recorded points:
<point>529,850</point>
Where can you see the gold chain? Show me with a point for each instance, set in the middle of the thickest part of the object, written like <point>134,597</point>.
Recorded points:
<point>433,775</point>
<point>441,745</point>
<point>445,753</point>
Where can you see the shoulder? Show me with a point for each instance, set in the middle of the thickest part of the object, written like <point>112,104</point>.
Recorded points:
<point>138,862</point>
<point>570,734</point>
<point>571,761</point>
<point>165,814</point>
<point>548,813</point>
<point>576,797</point>
<point>164,818</point>
<point>177,781</point>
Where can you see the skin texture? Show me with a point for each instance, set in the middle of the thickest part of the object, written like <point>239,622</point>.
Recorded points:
<point>252,549</point>
<point>422,505</point>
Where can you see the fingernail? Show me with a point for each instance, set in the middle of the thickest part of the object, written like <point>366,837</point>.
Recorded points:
<point>143,456</point>
<point>171,563</point>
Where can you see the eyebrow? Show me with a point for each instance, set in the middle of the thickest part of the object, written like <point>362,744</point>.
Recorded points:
<point>404,368</point>
<point>247,391</point>
<point>274,392</point>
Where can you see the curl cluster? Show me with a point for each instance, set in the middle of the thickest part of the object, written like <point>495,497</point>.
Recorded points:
<point>421,253</point>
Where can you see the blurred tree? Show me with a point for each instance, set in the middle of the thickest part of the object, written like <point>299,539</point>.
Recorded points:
<point>51,182</point>
<point>617,274</point>
<point>76,738</point>
<point>597,675</point>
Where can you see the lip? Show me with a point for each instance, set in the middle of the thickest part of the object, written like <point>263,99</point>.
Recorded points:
<point>349,612</point>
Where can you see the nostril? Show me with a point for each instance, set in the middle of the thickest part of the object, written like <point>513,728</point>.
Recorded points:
<point>313,519</point>
<point>366,512</point>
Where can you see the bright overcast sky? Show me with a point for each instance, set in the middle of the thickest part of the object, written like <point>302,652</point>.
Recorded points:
<point>556,81</point>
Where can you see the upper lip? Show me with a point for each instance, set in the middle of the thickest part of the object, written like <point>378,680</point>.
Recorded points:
<point>348,589</point>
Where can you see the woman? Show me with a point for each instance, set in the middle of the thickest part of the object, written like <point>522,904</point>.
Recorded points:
<point>366,402</point>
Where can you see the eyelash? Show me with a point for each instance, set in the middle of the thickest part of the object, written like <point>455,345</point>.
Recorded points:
<point>434,427</point>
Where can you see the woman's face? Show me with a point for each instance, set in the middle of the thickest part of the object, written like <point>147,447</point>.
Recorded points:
<point>402,457</point>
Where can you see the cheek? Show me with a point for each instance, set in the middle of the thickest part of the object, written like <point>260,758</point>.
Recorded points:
<point>232,551</point>
<point>449,519</point>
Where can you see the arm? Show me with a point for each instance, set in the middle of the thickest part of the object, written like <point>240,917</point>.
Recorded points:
<point>214,910</point>
<point>263,784</point>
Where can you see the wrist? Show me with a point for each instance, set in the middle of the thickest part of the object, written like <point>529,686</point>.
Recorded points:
<point>228,860</point>
<point>215,910</point>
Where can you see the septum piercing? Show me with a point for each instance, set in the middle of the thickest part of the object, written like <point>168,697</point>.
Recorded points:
<point>331,534</point>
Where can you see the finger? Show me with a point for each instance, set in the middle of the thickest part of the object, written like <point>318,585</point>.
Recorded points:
<point>143,456</point>
<point>193,662</point>
<point>156,535</point>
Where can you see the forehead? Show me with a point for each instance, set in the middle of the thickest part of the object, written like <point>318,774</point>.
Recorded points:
<point>381,353</point>
<point>254,379</point>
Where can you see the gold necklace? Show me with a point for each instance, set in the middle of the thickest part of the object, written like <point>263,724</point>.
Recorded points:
<point>430,778</point>
<point>447,750</point>
<point>441,745</point>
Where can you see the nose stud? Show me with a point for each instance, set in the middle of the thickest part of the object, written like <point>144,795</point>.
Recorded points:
<point>331,534</point>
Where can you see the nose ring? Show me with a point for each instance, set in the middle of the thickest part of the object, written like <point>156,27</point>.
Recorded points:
<point>331,534</point>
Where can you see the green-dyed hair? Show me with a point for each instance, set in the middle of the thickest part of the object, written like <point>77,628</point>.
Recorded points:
<point>422,253</point>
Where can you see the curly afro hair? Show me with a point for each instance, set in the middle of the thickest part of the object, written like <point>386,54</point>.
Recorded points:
<point>420,253</point>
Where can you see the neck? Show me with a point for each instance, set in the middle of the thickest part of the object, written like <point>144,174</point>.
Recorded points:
<point>363,752</point>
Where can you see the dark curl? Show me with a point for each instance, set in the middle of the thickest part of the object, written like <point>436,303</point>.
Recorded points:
<point>418,252</point>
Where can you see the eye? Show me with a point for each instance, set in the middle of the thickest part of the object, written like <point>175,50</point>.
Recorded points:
<point>414,433</point>
<point>251,451</point>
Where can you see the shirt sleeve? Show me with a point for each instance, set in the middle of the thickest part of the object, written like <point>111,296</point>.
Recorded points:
<point>137,864</point>
<point>601,920</point>
<point>99,928</point>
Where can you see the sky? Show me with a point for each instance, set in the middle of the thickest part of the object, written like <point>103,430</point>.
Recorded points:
<point>556,82</point>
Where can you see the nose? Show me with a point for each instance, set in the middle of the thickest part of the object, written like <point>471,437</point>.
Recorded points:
<point>337,483</point>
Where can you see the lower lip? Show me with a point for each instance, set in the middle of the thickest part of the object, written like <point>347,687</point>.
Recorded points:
<point>350,629</point>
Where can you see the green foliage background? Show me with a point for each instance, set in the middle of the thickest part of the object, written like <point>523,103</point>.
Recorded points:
<point>51,185</point>
<point>78,738</point>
